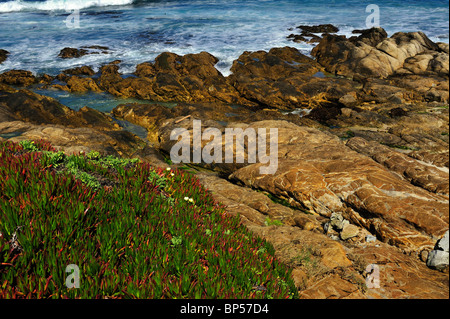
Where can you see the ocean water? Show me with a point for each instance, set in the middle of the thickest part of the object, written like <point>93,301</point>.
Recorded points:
<point>137,31</point>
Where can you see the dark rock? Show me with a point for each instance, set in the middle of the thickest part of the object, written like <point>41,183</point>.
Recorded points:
<point>3,55</point>
<point>321,28</point>
<point>371,36</point>
<point>70,53</point>
<point>17,77</point>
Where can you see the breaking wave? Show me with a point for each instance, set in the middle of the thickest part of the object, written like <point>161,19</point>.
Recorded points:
<point>55,5</point>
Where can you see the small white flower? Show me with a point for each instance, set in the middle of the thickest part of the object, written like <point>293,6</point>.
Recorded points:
<point>168,169</point>
<point>186,198</point>
<point>172,174</point>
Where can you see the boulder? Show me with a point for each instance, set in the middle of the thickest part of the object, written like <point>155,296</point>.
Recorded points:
<point>371,36</point>
<point>284,78</point>
<point>431,178</point>
<point>349,231</point>
<point>82,70</point>
<point>439,258</point>
<point>17,78</point>
<point>373,55</point>
<point>321,28</point>
<point>70,53</point>
<point>317,171</point>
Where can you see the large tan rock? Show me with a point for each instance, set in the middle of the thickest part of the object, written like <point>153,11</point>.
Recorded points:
<point>341,56</point>
<point>325,268</point>
<point>318,171</point>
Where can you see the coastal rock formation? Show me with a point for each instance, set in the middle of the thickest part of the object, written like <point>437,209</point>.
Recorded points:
<point>362,159</point>
<point>429,177</point>
<point>27,115</point>
<point>323,267</point>
<point>438,257</point>
<point>70,53</point>
<point>286,79</point>
<point>309,33</point>
<point>188,78</point>
<point>318,172</point>
<point>18,78</point>
<point>349,57</point>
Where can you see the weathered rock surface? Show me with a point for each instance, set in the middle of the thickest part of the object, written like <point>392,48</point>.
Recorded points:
<point>26,115</point>
<point>17,77</point>
<point>70,53</point>
<point>410,60</point>
<point>438,258</point>
<point>309,32</point>
<point>284,78</point>
<point>362,174</point>
<point>318,171</point>
<point>431,178</point>
<point>188,78</point>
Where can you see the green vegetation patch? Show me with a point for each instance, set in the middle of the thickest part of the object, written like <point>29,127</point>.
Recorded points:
<point>133,230</point>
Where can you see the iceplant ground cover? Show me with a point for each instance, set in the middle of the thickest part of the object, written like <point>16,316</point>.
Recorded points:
<point>134,231</point>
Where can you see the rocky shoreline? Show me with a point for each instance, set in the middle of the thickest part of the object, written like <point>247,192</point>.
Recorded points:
<point>363,174</point>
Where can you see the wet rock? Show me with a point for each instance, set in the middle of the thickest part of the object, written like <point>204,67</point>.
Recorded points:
<point>367,56</point>
<point>438,259</point>
<point>3,55</point>
<point>321,28</point>
<point>443,243</point>
<point>188,78</point>
<point>426,176</point>
<point>78,84</point>
<point>17,78</point>
<point>371,36</point>
<point>70,53</point>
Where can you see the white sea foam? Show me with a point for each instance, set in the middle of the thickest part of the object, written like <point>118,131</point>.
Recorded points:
<point>55,5</point>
